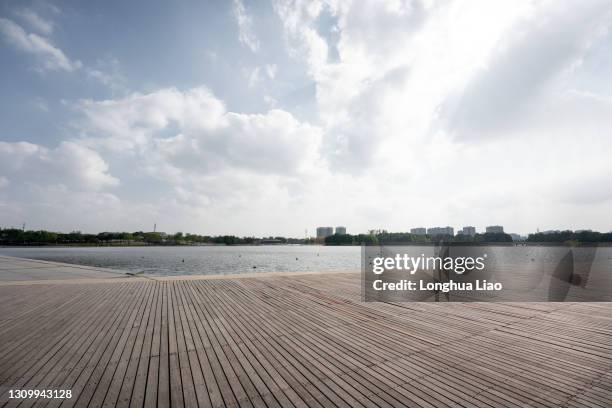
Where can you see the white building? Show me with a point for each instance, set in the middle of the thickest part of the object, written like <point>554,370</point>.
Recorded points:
<point>436,231</point>
<point>323,232</point>
<point>495,229</point>
<point>470,231</point>
<point>418,231</point>
<point>340,230</point>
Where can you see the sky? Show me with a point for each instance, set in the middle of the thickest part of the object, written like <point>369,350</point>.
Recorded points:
<point>275,117</point>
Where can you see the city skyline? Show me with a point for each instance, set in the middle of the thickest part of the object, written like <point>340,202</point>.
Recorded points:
<point>321,232</point>
<point>248,117</point>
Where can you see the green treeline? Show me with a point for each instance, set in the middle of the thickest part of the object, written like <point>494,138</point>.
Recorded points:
<point>13,236</point>
<point>570,236</point>
<point>386,238</point>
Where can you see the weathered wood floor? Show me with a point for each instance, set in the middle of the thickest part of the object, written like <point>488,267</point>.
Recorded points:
<point>302,340</point>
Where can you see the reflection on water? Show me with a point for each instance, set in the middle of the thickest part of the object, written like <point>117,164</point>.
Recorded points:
<point>206,260</point>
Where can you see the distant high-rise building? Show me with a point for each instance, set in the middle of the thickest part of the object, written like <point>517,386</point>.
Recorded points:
<point>471,231</point>
<point>323,232</point>
<point>517,237</point>
<point>341,230</point>
<point>418,231</point>
<point>496,229</point>
<point>436,231</point>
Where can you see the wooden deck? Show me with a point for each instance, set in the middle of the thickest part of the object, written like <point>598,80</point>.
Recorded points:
<point>292,340</point>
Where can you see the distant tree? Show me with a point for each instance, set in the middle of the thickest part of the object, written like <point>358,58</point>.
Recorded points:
<point>463,238</point>
<point>584,237</point>
<point>394,237</point>
<point>152,237</point>
<point>366,239</point>
<point>227,240</point>
<point>339,239</point>
<point>493,237</point>
<point>126,236</point>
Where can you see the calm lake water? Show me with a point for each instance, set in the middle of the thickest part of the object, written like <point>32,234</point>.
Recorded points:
<point>204,260</point>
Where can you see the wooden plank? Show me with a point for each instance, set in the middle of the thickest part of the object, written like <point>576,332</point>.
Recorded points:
<point>176,388</point>
<point>110,383</point>
<point>70,359</point>
<point>47,355</point>
<point>132,385</point>
<point>182,334</point>
<point>152,377</point>
<point>112,396</point>
<point>101,376</point>
<point>139,387</point>
<point>99,354</point>
<point>304,340</point>
<point>163,387</point>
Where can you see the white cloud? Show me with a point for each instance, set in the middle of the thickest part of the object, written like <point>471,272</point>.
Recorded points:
<point>271,70</point>
<point>131,122</point>
<point>107,71</point>
<point>52,57</point>
<point>58,208</point>
<point>245,26</point>
<point>428,113</point>
<point>407,70</point>
<point>542,47</point>
<point>36,21</point>
<point>205,160</point>
<point>69,164</point>
<point>254,77</point>
<point>261,73</point>
<point>192,131</point>
<point>414,83</point>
